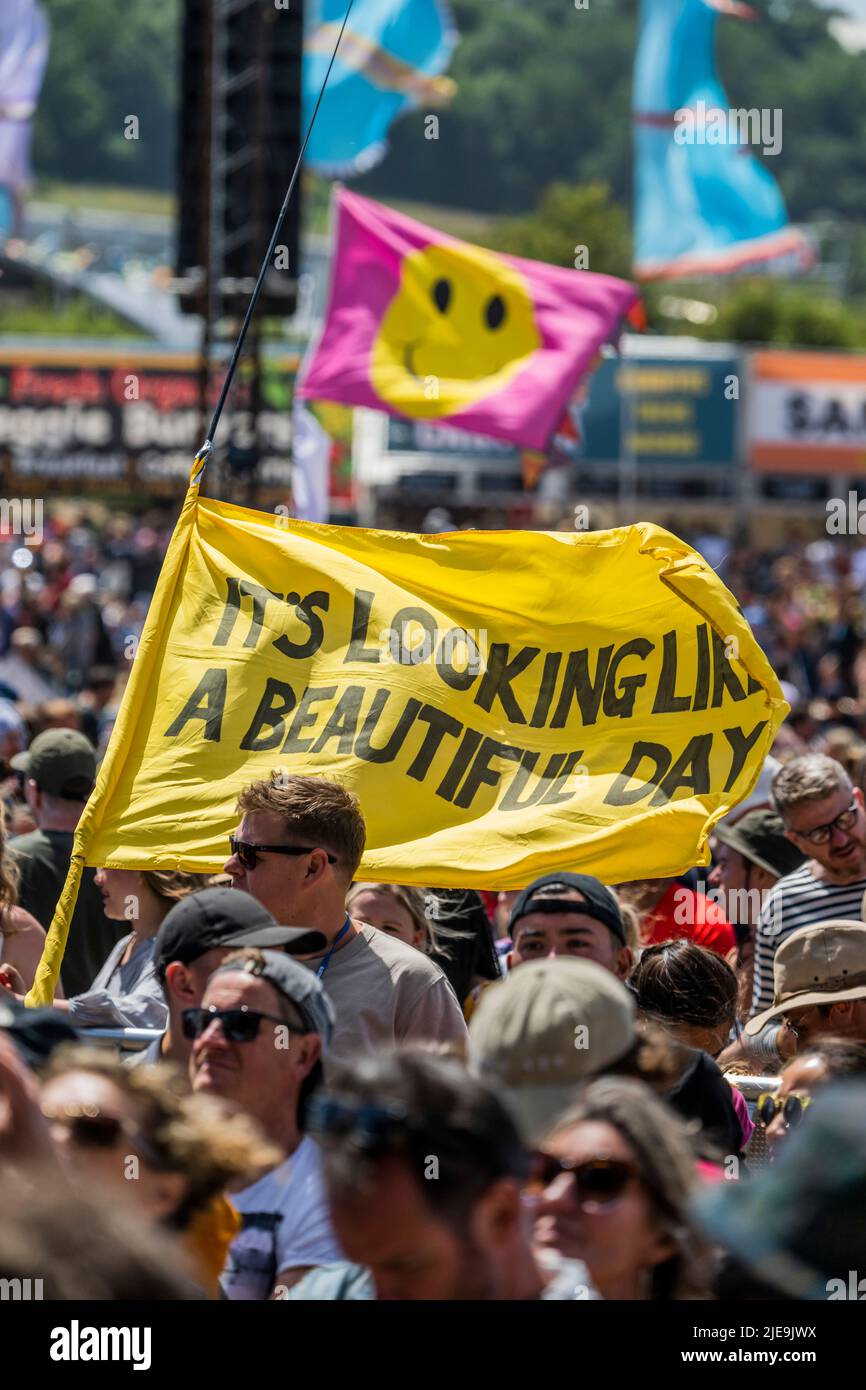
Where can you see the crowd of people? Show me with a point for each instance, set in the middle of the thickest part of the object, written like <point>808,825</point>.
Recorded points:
<point>359,1090</point>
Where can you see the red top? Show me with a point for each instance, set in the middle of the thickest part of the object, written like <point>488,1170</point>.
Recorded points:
<point>684,915</point>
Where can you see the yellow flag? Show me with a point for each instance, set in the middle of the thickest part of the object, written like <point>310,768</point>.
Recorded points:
<point>503,703</point>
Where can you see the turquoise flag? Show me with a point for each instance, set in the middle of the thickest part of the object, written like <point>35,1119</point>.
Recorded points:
<point>391,60</point>
<point>704,203</point>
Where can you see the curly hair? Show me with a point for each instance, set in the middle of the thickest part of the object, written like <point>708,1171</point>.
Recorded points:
<point>193,1135</point>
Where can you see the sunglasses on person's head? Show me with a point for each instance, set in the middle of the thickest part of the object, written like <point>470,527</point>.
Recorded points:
<point>239,1025</point>
<point>248,854</point>
<point>821,833</point>
<point>598,1182</point>
<point>792,1108</point>
<point>368,1125</point>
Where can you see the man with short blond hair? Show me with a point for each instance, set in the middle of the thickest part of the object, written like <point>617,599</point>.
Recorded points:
<point>297,849</point>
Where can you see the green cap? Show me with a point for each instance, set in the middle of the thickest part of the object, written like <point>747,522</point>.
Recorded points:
<point>62,762</point>
<point>759,836</point>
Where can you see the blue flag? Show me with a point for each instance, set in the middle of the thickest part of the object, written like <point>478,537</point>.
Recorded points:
<point>391,60</point>
<point>704,204</point>
<point>23,54</point>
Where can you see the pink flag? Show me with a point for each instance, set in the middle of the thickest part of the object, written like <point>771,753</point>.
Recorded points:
<point>422,325</point>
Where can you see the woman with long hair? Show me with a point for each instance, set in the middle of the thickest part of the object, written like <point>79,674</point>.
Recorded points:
<point>126,992</point>
<point>612,1185</point>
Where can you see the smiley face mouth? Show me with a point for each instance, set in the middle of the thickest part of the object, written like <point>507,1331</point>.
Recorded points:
<point>408,359</point>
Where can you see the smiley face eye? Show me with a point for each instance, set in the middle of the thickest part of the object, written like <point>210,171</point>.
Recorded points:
<point>494,312</point>
<point>442,295</point>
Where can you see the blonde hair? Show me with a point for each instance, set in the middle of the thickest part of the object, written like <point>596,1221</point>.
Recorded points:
<point>173,884</point>
<point>410,899</point>
<point>193,1135</point>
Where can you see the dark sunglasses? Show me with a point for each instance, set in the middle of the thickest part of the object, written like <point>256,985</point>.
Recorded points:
<point>369,1126</point>
<point>248,855</point>
<point>239,1025</point>
<point>792,1108</point>
<point>597,1182</point>
<point>96,1131</point>
<point>92,1129</point>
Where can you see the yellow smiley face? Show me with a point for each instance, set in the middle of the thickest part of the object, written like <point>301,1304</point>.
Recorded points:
<point>460,327</point>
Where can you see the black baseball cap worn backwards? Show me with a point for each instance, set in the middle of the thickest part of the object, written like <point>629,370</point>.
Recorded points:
<point>599,902</point>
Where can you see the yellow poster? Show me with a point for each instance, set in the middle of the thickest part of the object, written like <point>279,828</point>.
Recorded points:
<point>503,703</point>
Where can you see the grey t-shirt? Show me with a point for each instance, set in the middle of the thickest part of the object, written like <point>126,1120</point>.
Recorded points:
<point>123,996</point>
<point>385,992</point>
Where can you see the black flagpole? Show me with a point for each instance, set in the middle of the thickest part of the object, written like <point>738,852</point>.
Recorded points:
<point>203,456</point>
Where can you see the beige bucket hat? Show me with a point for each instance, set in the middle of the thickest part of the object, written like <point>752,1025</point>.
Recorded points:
<point>821,964</point>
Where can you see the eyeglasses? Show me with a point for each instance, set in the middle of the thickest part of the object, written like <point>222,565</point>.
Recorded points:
<point>239,1025</point>
<point>369,1126</point>
<point>792,1107</point>
<point>248,854</point>
<point>821,834</point>
<point>598,1182</point>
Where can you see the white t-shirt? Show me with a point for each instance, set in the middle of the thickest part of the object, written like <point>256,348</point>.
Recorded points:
<point>285,1226</point>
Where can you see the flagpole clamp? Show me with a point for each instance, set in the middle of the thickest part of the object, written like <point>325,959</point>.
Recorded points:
<point>200,462</point>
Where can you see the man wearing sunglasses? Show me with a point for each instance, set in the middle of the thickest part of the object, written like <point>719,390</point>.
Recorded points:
<point>824,818</point>
<point>257,1041</point>
<point>296,851</point>
<point>195,937</point>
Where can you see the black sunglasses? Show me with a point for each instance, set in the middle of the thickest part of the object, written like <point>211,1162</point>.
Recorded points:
<point>92,1129</point>
<point>239,1025</point>
<point>792,1108</point>
<point>368,1125</point>
<point>597,1182</point>
<point>248,854</point>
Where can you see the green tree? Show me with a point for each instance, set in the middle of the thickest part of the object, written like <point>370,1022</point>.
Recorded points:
<point>567,223</point>
<point>765,310</point>
<point>108,60</point>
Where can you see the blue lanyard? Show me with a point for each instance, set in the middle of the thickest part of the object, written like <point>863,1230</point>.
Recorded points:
<point>334,944</point>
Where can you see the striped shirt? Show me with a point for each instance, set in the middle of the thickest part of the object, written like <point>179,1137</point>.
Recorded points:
<point>797,900</point>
